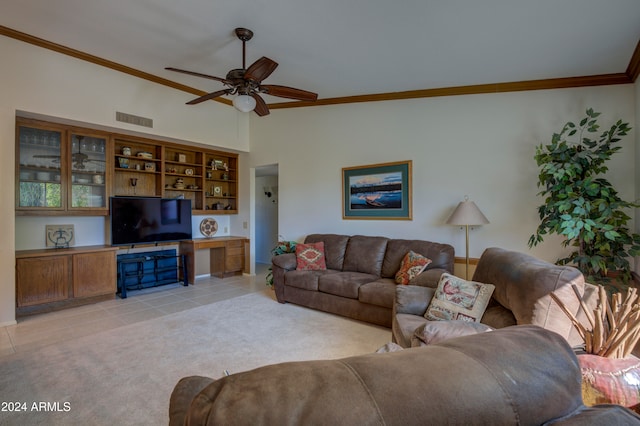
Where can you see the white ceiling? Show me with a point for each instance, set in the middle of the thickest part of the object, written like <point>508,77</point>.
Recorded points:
<point>343,48</point>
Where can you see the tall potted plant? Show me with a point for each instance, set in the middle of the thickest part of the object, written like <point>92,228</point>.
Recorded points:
<point>580,204</point>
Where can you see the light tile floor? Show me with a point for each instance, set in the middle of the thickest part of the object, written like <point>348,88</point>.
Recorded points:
<point>35,331</point>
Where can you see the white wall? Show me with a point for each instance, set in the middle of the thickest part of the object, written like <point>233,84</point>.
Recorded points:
<point>40,81</point>
<point>89,230</point>
<point>480,145</point>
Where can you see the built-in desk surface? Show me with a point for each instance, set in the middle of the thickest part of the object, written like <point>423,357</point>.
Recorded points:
<point>227,255</point>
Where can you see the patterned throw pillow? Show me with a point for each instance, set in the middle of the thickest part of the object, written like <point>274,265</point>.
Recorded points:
<point>411,266</point>
<point>458,299</point>
<point>310,256</point>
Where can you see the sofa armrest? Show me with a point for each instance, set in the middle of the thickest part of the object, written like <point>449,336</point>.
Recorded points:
<point>279,265</point>
<point>428,278</point>
<point>285,261</point>
<point>412,299</point>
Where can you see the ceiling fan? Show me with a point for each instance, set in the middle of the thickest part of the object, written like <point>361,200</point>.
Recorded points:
<point>78,158</point>
<point>246,83</point>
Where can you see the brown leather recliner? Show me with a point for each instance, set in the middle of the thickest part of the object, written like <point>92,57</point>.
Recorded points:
<point>521,375</point>
<point>523,285</point>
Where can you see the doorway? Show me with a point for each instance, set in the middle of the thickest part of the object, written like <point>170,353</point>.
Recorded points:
<point>266,212</point>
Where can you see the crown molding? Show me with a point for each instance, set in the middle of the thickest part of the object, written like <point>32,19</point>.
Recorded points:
<point>552,83</point>
<point>630,76</point>
<point>633,70</point>
<point>36,41</point>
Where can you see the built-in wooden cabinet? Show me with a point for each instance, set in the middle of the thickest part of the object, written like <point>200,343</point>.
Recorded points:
<point>61,170</point>
<point>54,279</point>
<point>42,280</point>
<point>206,177</point>
<point>67,170</point>
<point>221,182</point>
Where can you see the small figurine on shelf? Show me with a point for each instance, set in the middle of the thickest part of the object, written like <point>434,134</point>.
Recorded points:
<point>225,166</point>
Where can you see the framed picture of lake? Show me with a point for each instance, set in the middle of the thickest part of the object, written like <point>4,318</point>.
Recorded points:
<point>377,191</point>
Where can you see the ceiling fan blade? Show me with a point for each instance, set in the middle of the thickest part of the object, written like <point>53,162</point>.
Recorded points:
<point>261,106</point>
<point>288,92</point>
<point>197,74</point>
<point>210,96</point>
<point>260,69</point>
<point>46,156</point>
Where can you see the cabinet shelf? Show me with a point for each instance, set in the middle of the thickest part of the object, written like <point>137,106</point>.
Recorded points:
<point>183,190</point>
<point>135,157</point>
<point>179,163</point>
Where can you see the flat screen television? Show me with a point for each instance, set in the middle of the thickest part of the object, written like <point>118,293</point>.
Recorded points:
<point>144,220</point>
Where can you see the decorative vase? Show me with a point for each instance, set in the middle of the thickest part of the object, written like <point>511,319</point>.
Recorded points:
<point>610,380</point>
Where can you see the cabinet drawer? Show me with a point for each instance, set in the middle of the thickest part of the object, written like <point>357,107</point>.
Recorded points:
<point>234,263</point>
<point>235,244</point>
<point>235,251</point>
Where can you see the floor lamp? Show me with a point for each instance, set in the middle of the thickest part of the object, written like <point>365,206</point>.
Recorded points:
<point>467,214</point>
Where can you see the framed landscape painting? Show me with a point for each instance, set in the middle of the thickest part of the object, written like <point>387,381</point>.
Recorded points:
<point>377,191</point>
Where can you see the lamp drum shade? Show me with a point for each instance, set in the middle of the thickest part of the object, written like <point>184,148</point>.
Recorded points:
<point>467,213</point>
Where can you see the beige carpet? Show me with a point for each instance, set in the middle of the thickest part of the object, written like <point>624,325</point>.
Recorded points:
<point>125,376</point>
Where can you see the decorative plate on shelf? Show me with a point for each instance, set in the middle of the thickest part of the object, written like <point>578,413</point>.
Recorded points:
<point>188,172</point>
<point>208,227</point>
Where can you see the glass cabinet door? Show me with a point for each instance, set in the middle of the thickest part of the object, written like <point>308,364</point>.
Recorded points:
<point>88,166</point>
<point>40,162</point>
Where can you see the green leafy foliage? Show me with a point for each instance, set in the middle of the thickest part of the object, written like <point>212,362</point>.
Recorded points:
<point>281,248</point>
<point>582,206</point>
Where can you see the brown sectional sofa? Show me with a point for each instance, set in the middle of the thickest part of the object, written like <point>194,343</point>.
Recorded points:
<point>359,280</point>
<point>535,380</point>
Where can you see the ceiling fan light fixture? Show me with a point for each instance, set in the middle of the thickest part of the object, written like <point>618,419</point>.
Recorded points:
<point>244,103</point>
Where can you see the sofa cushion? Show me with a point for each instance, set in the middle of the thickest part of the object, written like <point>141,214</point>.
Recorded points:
<point>403,326</point>
<point>411,266</point>
<point>413,299</point>
<point>441,255</point>
<point>381,293</point>
<point>432,332</point>
<point>365,254</point>
<point>345,284</point>
<point>306,280</point>
<point>310,257</point>
<point>497,316</point>
<point>523,284</point>
<point>458,299</point>
<point>334,248</point>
